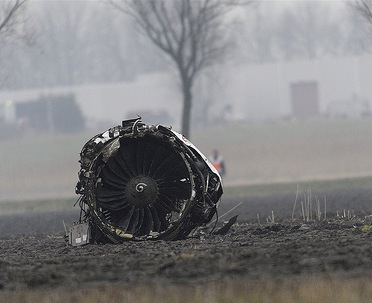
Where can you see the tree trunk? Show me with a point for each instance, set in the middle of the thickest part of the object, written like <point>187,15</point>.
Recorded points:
<point>186,111</point>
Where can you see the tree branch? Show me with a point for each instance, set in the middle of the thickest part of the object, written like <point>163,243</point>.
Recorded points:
<point>364,7</point>
<point>9,12</point>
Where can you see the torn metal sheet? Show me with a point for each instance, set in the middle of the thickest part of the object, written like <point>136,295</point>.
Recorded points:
<point>79,234</point>
<point>140,182</point>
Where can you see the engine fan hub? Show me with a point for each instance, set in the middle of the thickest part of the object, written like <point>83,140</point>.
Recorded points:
<point>141,191</point>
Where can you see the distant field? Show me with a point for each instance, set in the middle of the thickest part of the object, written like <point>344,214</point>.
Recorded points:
<point>42,166</point>
<point>45,167</point>
<point>230,192</point>
<point>38,205</point>
<point>282,188</point>
<point>291,151</point>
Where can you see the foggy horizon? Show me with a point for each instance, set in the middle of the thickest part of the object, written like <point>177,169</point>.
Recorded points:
<point>114,73</point>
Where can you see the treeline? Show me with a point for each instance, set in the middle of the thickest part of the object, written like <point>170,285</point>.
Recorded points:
<point>303,30</point>
<point>81,42</point>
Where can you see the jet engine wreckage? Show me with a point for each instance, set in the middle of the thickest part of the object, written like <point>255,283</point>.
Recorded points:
<point>142,182</point>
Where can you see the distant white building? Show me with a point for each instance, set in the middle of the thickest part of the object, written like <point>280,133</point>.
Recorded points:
<point>337,87</point>
<point>265,91</point>
<point>151,95</point>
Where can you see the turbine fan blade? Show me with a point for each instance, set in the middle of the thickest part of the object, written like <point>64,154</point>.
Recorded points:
<point>141,215</point>
<point>165,204</point>
<point>108,194</point>
<point>161,155</point>
<point>128,152</point>
<point>140,154</point>
<point>150,150</point>
<point>174,172</point>
<point>113,181</point>
<point>123,218</point>
<point>167,164</point>
<point>113,167</point>
<point>123,164</point>
<point>148,222</point>
<point>176,189</point>
<point>134,221</point>
<point>155,217</point>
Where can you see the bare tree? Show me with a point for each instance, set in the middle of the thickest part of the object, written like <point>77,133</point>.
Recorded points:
<point>10,20</point>
<point>189,32</point>
<point>364,7</point>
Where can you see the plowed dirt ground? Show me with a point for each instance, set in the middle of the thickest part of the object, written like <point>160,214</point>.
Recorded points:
<point>266,243</point>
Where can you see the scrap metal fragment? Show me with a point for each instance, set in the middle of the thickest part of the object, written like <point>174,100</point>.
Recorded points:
<point>79,234</point>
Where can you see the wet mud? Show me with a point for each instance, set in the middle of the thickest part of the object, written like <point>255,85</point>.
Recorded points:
<point>34,254</point>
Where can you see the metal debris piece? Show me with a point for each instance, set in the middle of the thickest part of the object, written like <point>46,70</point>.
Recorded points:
<point>79,234</point>
<point>225,228</point>
<point>140,182</point>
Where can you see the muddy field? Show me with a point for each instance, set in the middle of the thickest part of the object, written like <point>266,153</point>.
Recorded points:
<point>34,255</point>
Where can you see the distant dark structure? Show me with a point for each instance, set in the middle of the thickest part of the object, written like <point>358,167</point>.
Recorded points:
<point>51,113</point>
<point>305,100</point>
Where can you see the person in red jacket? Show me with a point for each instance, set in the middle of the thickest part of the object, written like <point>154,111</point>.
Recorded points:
<point>218,162</point>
